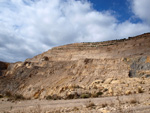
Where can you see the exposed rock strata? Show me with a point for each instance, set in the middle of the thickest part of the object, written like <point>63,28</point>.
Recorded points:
<point>62,69</point>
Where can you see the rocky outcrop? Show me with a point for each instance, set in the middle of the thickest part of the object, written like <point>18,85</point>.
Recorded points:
<point>60,70</point>
<point>3,68</point>
<point>139,67</point>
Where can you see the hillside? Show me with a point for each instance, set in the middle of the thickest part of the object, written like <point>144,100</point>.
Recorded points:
<point>73,70</point>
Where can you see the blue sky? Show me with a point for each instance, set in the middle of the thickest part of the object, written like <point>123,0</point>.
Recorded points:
<point>118,7</point>
<point>30,27</point>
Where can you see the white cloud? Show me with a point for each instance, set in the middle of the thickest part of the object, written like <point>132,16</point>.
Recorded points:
<point>29,27</point>
<point>127,29</point>
<point>141,9</point>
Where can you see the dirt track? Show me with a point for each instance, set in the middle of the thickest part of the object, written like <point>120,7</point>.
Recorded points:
<point>113,105</point>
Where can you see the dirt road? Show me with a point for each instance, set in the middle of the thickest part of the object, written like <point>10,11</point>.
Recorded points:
<point>138,103</point>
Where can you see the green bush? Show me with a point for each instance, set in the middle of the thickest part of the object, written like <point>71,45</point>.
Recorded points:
<point>18,97</point>
<point>85,95</point>
<point>49,97</point>
<point>99,93</point>
<point>94,95</point>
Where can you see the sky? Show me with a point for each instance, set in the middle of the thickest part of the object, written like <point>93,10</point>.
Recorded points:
<point>30,27</point>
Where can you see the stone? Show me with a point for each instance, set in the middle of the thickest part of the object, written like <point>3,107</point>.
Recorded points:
<point>108,81</point>
<point>110,91</point>
<point>115,82</point>
<point>104,111</point>
<point>128,92</point>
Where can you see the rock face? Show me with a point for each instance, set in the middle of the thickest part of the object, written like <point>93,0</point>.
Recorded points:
<point>140,67</point>
<point>74,68</point>
<point>3,67</point>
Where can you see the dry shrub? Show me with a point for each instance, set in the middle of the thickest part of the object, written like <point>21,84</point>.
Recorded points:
<point>99,93</point>
<point>8,94</point>
<point>75,109</point>
<point>14,96</point>
<point>1,96</point>
<point>140,90</point>
<point>72,96</point>
<point>90,104</point>
<point>53,97</point>
<point>104,105</point>
<point>49,97</point>
<point>18,97</point>
<point>94,95</point>
<point>133,101</point>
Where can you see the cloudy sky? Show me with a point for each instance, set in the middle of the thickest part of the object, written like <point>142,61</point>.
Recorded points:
<point>30,27</point>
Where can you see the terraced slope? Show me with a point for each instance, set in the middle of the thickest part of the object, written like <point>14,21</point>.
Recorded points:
<point>76,70</point>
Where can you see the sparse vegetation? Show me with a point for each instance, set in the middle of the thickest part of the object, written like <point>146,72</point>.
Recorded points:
<point>105,89</point>
<point>1,96</point>
<point>90,104</point>
<point>8,94</point>
<point>49,97</point>
<point>18,97</point>
<point>85,95</point>
<point>11,96</point>
<point>104,105</point>
<point>133,101</point>
<point>72,96</point>
<point>99,93</point>
<point>75,109</point>
<point>94,95</point>
<point>53,97</point>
